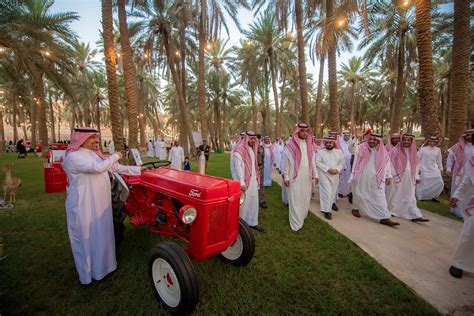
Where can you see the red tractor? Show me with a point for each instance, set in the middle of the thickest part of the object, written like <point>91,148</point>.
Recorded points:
<point>201,210</point>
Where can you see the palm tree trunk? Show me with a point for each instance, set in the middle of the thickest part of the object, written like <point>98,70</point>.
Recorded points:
<point>97,112</point>
<point>181,102</point>
<point>129,77</point>
<point>426,91</point>
<point>334,122</point>
<point>141,115</point>
<point>110,65</point>
<point>282,102</point>
<point>38,90</point>
<point>51,111</point>
<point>33,119</point>
<point>254,110</point>
<point>2,133</point>
<point>319,96</point>
<point>400,89</point>
<point>202,106</point>
<point>275,95</point>
<point>14,122</point>
<point>301,61</point>
<point>460,70</point>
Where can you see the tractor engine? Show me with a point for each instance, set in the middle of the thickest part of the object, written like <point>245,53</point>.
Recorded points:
<point>157,211</point>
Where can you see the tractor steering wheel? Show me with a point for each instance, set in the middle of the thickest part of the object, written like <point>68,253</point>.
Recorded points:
<point>157,164</point>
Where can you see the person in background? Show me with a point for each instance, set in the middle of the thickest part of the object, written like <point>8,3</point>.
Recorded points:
<point>187,164</point>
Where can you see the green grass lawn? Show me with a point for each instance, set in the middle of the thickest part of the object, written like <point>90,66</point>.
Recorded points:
<point>318,271</point>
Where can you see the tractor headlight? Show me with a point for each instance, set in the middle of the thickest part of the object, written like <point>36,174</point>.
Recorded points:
<point>187,214</point>
<point>242,198</point>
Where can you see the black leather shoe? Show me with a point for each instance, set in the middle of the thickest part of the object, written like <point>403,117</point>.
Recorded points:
<point>258,228</point>
<point>263,205</point>
<point>349,197</point>
<point>334,207</point>
<point>327,215</point>
<point>455,272</point>
<point>340,195</point>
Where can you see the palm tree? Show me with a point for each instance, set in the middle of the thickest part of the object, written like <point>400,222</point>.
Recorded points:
<point>302,61</point>
<point>214,13</point>
<point>110,66</point>
<point>131,88</point>
<point>392,37</point>
<point>460,69</point>
<point>426,91</point>
<point>161,24</point>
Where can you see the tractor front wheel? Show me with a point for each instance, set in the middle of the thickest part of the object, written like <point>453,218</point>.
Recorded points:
<point>241,251</point>
<point>173,278</point>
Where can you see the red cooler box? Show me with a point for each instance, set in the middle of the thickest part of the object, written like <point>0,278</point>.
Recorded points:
<point>55,179</point>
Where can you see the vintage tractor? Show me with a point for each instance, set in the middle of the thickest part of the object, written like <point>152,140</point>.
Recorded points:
<point>201,210</point>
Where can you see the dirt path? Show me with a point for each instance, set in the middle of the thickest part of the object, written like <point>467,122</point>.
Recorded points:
<point>417,254</point>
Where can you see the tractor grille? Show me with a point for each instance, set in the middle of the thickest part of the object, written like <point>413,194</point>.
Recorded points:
<point>217,224</point>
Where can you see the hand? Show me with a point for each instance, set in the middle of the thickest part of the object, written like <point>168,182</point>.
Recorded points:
<point>315,181</point>
<point>243,187</point>
<point>287,183</point>
<point>119,155</point>
<point>453,202</point>
<point>333,171</point>
<point>388,181</point>
<point>448,173</point>
<point>144,168</point>
<point>418,181</point>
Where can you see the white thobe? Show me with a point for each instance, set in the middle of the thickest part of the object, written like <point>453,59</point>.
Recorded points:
<point>111,148</point>
<point>176,157</point>
<point>468,152</point>
<point>328,183</point>
<point>299,191</point>
<point>158,149</point>
<point>401,197</point>
<point>277,155</point>
<point>267,167</point>
<point>464,254</point>
<point>431,166</point>
<point>344,183</point>
<point>248,209</point>
<point>232,167</point>
<point>150,150</point>
<point>367,196</point>
<point>89,212</point>
<point>284,191</point>
<point>163,150</point>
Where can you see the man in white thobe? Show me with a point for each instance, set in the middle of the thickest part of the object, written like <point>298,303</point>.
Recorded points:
<point>89,206</point>
<point>150,153</point>
<point>431,165</point>
<point>329,163</point>
<point>111,147</point>
<point>267,162</point>
<point>163,151</point>
<point>157,148</point>
<point>176,156</point>
<point>277,149</point>
<point>299,174</point>
<point>401,197</point>
<point>463,259</point>
<point>458,156</point>
<point>371,172</point>
<point>235,143</point>
<point>246,173</point>
<point>346,143</point>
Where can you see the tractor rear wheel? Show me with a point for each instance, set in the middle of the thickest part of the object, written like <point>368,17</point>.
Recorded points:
<point>173,278</point>
<point>117,212</point>
<point>241,251</point>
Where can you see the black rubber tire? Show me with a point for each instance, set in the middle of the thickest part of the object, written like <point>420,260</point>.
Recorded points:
<point>117,212</point>
<point>248,243</point>
<point>185,273</point>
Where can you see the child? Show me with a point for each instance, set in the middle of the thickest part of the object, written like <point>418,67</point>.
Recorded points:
<point>187,165</point>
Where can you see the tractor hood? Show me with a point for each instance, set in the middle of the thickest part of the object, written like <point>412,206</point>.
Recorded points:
<point>201,189</point>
